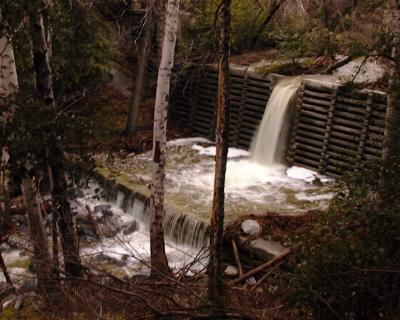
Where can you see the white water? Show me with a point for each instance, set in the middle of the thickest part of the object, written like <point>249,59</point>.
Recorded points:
<point>268,145</point>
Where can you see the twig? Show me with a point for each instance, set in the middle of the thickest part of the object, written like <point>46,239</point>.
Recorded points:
<point>265,276</point>
<point>259,268</point>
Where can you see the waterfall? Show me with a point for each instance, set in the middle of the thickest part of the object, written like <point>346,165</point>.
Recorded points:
<point>270,140</point>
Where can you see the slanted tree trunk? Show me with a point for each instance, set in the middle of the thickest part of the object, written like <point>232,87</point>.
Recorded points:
<point>275,5</point>
<point>159,261</point>
<point>133,115</point>
<point>44,90</point>
<point>391,145</point>
<point>215,272</point>
<point>41,256</point>
<point>8,88</point>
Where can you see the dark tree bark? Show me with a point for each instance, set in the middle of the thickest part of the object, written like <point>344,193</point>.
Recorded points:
<point>273,9</point>
<point>215,272</point>
<point>391,145</point>
<point>44,90</point>
<point>133,115</point>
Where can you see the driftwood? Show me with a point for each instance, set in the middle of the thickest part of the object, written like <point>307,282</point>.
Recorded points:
<point>237,258</point>
<point>259,268</point>
<point>93,222</point>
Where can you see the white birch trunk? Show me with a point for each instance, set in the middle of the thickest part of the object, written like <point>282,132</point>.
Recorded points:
<point>41,256</point>
<point>8,88</point>
<point>158,258</point>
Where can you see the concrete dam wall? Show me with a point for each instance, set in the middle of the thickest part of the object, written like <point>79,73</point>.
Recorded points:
<point>333,129</point>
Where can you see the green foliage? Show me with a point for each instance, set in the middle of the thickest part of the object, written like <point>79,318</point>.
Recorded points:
<point>348,262</point>
<point>246,18</point>
<point>82,49</point>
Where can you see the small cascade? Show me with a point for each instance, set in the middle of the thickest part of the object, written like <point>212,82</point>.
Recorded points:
<point>270,140</point>
<point>185,229</point>
<point>178,227</point>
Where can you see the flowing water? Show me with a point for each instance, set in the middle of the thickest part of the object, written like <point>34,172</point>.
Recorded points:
<point>269,143</point>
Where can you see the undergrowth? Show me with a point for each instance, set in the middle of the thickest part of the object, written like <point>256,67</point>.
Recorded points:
<point>347,263</point>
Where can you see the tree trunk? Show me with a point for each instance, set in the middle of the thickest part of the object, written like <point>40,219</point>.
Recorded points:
<point>41,257</point>
<point>159,261</point>
<point>391,145</point>
<point>8,88</point>
<point>44,90</point>
<point>215,272</point>
<point>132,121</point>
<point>273,9</point>
<point>66,223</point>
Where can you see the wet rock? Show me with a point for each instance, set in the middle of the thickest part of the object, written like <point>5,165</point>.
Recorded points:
<point>86,229</point>
<point>231,271</point>
<point>78,192</point>
<point>131,228</point>
<point>109,226</point>
<point>105,209</point>
<point>251,227</point>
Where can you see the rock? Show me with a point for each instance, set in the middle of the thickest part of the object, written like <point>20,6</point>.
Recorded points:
<point>86,229</point>
<point>262,248</point>
<point>78,192</point>
<point>231,271</point>
<point>131,228</point>
<point>105,209</point>
<point>109,226</point>
<point>251,227</point>
<point>251,281</point>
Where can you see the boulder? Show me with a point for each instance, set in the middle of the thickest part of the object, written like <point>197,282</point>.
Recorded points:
<point>231,271</point>
<point>262,248</point>
<point>131,228</point>
<point>251,227</point>
<point>105,209</point>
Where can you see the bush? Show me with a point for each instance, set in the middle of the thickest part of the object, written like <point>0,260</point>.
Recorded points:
<point>348,262</point>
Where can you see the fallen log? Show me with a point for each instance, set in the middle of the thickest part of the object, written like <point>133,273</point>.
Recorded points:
<point>259,268</point>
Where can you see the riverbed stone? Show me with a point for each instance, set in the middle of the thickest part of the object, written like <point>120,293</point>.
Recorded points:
<point>105,209</point>
<point>251,227</point>
<point>231,271</point>
<point>131,228</point>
